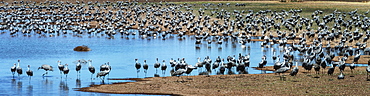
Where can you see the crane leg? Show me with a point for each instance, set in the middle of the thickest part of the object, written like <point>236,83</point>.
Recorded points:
<point>45,73</point>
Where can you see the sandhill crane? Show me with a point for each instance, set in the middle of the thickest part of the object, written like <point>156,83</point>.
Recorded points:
<point>163,67</point>
<point>331,70</point>
<point>352,66</point>
<point>60,67</point>
<point>19,69</point>
<point>181,71</point>
<point>65,70</point>
<point>207,64</point>
<point>91,68</point>
<point>103,67</point>
<point>241,67</point>
<point>323,64</point>
<point>357,56</point>
<point>137,65</point>
<point>102,74</point>
<point>156,65</point>
<point>29,71</point>
<point>199,64</point>
<point>46,68</point>
<point>145,67</point>
<point>222,67</point>
<point>294,70</point>
<point>215,65</point>
<point>282,70</point>
<point>342,66</point>
<point>262,63</point>
<point>12,69</point>
<point>317,68</point>
<point>78,68</point>
<point>277,64</point>
<point>190,69</point>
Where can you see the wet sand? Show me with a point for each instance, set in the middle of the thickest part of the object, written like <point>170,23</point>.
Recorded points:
<point>305,83</point>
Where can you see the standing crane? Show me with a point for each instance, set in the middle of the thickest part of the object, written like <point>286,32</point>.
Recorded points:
<point>19,69</point>
<point>137,65</point>
<point>156,65</point>
<point>91,68</point>
<point>294,70</point>
<point>102,74</point>
<point>60,67</point>
<point>29,72</point>
<point>282,70</point>
<point>78,68</point>
<point>12,69</point>
<point>65,70</point>
<point>145,67</point>
<point>164,67</point>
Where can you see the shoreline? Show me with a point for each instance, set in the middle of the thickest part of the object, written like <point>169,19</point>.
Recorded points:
<point>242,84</point>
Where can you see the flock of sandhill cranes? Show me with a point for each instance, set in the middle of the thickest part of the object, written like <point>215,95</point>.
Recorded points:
<point>312,36</point>
<point>104,69</point>
<point>241,65</point>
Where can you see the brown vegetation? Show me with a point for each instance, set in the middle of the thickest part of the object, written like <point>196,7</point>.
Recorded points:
<point>82,48</point>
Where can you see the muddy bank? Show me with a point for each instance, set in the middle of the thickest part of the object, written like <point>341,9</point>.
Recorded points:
<point>305,83</point>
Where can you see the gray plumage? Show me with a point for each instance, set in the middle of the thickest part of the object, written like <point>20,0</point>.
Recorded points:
<point>46,68</point>
<point>178,72</point>
<point>282,69</point>
<point>294,70</point>
<point>102,74</point>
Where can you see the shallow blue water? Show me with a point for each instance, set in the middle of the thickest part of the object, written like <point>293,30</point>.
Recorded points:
<point>120,52</point>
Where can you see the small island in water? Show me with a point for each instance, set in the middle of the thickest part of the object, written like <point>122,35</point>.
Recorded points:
<point>82,48</point>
